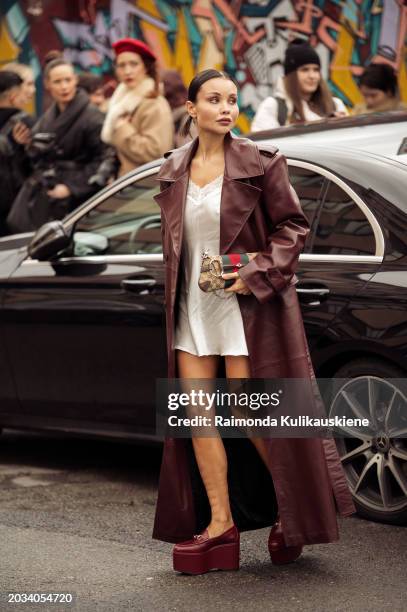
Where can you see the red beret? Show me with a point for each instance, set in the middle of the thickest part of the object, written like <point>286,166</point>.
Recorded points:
<point>134,46</point>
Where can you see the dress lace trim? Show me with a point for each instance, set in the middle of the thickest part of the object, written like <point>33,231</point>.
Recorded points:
<point>211,184</point>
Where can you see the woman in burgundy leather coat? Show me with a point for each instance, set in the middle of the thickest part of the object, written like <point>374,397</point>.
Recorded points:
<point>211,488</point>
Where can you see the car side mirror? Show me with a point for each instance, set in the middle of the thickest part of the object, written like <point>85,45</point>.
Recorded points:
<point>48,240</point>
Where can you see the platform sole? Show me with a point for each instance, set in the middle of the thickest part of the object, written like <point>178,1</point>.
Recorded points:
<point>222,557</point>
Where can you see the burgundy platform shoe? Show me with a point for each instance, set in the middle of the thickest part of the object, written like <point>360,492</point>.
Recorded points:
<point>202,553</point>
<point>279,552</point>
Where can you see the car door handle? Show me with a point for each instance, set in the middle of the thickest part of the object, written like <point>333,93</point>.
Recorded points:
<point>312,296</point>
<point>316,291</point>
<point>137,285</point>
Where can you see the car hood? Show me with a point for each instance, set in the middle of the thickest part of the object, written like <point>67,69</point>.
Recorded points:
<point>13,249</point>
<point>15,241</point>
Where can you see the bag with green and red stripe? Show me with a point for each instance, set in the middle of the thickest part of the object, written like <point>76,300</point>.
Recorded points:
<point>213,266</point>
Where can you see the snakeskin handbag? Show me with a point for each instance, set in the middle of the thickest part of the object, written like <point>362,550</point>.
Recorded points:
<point>213,266</point>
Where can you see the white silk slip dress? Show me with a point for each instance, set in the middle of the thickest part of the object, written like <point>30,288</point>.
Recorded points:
<point>208,323</point>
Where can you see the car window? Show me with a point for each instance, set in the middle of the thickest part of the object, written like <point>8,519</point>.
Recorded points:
<point>342,227</point>
<point>125,223</point>
<point>308,186</point>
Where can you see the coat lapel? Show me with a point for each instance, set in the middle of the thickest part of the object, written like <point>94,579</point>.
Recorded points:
<point>172,203</point>
<point>238,199</point>
<point>237,202</point>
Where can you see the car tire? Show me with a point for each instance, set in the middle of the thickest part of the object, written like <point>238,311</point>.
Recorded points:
<point>368,501</point>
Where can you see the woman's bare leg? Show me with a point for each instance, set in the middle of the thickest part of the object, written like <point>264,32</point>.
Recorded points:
<point>209,451</point>
<point>237,366</point>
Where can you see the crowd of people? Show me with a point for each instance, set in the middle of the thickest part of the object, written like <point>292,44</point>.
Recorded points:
<point>302,95</point>
<point>84,139</point>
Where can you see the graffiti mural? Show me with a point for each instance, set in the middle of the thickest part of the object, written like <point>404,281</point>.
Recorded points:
<point>247,39</point>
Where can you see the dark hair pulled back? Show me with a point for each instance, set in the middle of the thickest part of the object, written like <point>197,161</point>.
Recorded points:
<point>52,60</point>
<point>152,71</point>
<point>196,84</point>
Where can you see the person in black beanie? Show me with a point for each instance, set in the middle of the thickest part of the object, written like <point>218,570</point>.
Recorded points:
<point>378,86</point>
<point>302,95</point>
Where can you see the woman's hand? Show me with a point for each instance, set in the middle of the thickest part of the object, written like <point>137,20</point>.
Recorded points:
<point>239,286</point>
<point>21,133</point>
<point>60,191</point>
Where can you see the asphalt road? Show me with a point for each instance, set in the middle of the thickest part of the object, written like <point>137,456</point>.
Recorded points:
<point>76,517</point>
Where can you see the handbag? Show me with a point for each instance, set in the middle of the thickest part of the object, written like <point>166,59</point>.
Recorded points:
<point>213,266</point>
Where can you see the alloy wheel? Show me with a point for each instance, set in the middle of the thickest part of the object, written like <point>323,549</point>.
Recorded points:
<point>375,459</point>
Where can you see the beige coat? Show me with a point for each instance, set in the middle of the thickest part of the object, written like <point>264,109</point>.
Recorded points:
<point>148,133</point>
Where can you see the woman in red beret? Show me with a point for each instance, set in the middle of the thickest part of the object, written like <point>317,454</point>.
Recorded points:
<point>138,122</point>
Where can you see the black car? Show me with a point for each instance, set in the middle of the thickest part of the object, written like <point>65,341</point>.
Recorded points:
<point>82,319</point>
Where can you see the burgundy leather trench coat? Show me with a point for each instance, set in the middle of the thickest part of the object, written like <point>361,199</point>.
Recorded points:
<point>259,212</point>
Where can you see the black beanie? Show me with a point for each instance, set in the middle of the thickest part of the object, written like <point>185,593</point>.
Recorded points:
<point>298,53</point>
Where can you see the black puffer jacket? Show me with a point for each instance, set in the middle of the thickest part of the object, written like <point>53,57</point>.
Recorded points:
<point>71,159</point>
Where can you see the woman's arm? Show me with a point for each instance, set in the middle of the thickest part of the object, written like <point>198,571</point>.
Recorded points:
<point>273,268</point>
<point>340,108</point>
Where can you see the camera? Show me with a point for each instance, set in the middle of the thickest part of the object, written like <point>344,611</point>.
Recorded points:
<point>42,146</point>
<point>49,179</point>
<point>43,152</point>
